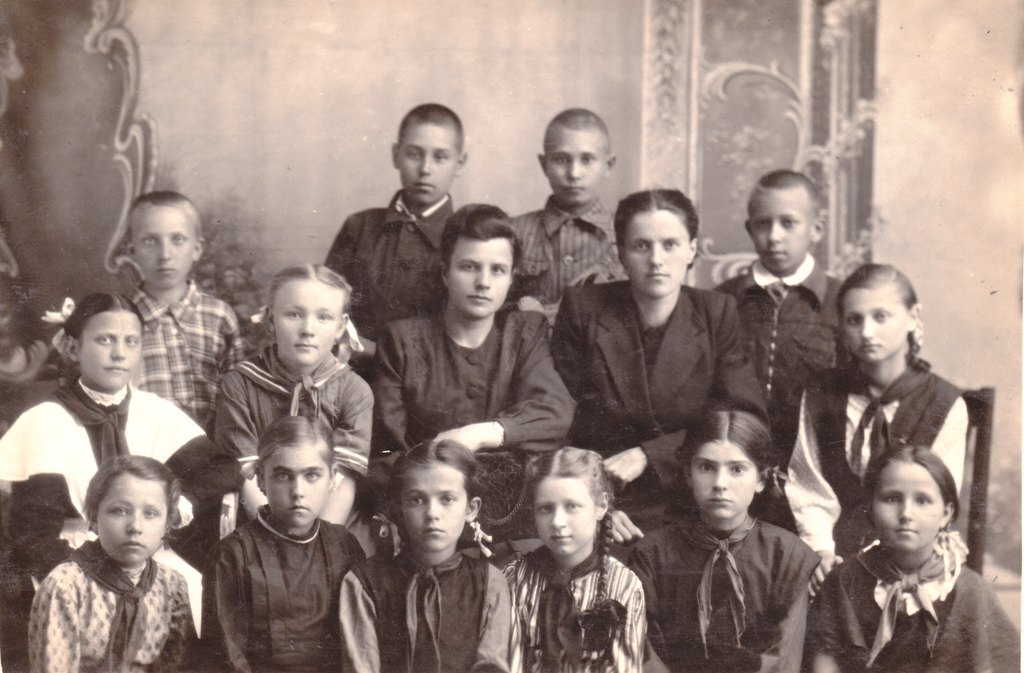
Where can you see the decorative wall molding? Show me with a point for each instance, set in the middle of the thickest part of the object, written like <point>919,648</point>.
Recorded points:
<point>11,69</point>
<point>668,43</point>
<point>828,105</point>
<point>135,136</point>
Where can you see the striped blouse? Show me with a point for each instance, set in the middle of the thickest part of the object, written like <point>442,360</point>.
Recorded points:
<point>527,583</point>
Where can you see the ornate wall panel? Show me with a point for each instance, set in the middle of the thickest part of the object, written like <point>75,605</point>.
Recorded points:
<point>733,90</point>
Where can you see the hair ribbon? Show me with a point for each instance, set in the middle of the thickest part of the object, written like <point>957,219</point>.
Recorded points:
<point>59,318</point>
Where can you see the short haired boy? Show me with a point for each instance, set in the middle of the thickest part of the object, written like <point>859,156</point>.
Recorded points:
<point>189,339</point>
<point>571,238</point>
<point>787,304</point>
<point>392,256</point>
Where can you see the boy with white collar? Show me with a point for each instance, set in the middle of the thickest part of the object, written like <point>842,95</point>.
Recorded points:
<point>787,303</point>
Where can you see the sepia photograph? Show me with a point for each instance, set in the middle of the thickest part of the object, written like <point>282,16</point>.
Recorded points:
<point>472,335</point>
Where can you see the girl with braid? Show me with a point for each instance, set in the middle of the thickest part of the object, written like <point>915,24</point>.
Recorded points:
<point>575,607</point>
<point>885,397</point>
<point>726,591</point>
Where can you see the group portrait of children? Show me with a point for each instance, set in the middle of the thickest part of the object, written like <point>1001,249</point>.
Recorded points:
<point>477,442</point>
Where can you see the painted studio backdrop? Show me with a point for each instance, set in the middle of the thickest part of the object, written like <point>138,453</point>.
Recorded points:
<point>277,119</point>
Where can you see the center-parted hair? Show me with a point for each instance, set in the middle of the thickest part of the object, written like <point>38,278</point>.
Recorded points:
<point>652,200</point>
<point>785,178</point>
<point>739,428</point>
<point>140,467</point>
<point>292,431</point>
<point>576,118</point>
<point>480,222</point>
<point>167,199</point>
<point>446,452</point>
<point>917,455</point>
<point>317,272</point>
<point>436,114</point>
<point>93,305</point>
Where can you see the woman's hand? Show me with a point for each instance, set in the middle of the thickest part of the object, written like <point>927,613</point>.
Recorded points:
<point>828,561</point>
<point>627,465</point>
<point>476,436</point>
<point>624,531</point>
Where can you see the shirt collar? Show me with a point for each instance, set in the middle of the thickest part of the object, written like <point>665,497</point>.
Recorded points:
<point>152,309</point>
<point>104,399</point>
<point>404,209</point>
<point>809,274</point>
<point>597,216</point>
<point>430,222</point>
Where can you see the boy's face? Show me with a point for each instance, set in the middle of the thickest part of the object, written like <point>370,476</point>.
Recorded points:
<point>165,246</point>
<point>576,163</point>
<point>428,158</point>
<point>297,481</point>
<point>132,519</point>
<point>783,225</point>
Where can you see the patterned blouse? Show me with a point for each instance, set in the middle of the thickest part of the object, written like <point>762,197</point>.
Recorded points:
<point>71,623</point>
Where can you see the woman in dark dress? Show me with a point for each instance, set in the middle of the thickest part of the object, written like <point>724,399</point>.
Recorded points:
<point>644,357</point>
<point>477,374</point>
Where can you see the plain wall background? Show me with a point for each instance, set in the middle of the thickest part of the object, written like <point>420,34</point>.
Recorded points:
<point>344,73</point>
<point>949,181</point>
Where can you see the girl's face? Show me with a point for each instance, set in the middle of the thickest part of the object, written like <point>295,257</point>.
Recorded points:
<point>297,481</point>
<point>478,277</point>
<point>435,509</point>
<point>656,253</point>
<point>567,515</point>
<point>308,321</point>
<point>724,482</point>
<point>132,520</point>
<point>108,350</point>
<point>876,323</point>
<point>909,512</point>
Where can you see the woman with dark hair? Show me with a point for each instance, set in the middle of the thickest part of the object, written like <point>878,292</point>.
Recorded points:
<point>476,374</point>
<point>645,357</point>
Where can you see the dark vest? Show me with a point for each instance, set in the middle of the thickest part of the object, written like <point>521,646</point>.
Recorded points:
<point>918,420</point>
<point>463,597</point>
<point>266,587</point>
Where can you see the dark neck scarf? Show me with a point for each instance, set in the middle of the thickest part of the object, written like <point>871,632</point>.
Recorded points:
<point>558,624</point>
<point>879,562</point>
<point>268,371</point>
<point>104,425</point>
<point>128,623</point>
<point>880,440</point>
<point>423,599</point>
<point>706,539</point>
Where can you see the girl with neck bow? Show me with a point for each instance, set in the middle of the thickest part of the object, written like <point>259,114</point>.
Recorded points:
<point>907,602</point>
<point>726,591</point>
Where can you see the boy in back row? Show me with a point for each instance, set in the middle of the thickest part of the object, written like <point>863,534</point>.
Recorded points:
<point>189,339</point>
<point>392,256</point>
<point>787,304</point>
<point>571,239</point>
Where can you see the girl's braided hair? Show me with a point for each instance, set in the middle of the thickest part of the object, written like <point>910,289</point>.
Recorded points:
<point>607,617</point>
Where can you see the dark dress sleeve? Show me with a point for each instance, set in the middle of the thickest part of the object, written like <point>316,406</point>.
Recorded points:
<point>569,345</point>
<point>389,414</point>
<point>542,408</point>
<point>235,428</point>
<point>39,506</point>
<point>643,561</point>
<point>226,609</point>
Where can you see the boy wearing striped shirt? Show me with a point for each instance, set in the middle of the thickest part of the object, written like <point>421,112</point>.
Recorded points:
<point>570,241</point>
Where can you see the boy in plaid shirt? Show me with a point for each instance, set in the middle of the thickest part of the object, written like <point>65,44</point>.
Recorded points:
<point>189,338</point>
